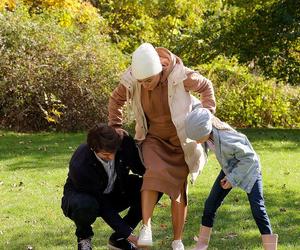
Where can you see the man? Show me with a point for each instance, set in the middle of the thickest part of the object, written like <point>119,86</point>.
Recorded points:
<point>99,185</point>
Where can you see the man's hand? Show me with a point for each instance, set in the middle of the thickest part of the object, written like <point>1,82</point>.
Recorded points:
<point>225,184</point>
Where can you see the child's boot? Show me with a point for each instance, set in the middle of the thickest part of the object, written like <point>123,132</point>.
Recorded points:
<point>203,239</point>
<point>269,241</point>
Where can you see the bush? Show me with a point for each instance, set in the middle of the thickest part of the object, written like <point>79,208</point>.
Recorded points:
<point>247,100</point>
<point>52,76</point>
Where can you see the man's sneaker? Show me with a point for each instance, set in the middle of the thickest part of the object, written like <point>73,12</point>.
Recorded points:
<point>145,237</point>
<point>117,243</point>
<point>177,245</point>
<point>85,244</point>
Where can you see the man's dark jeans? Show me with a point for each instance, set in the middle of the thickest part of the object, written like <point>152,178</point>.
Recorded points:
<point>83,209</point>
<point>255,197</point>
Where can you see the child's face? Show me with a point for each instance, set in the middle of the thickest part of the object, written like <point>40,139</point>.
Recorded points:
<point>203,139</point>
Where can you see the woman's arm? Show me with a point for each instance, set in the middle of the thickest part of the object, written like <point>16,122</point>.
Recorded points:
<point>199,84</point>
<point>115,106</point>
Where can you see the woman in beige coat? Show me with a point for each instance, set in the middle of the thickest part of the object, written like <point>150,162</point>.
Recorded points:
<point>158,87</point>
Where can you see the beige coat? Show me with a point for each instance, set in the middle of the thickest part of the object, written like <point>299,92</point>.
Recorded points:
<point>180,103</point>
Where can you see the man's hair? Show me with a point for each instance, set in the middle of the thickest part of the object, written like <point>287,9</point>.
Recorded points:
<point>102,137</point>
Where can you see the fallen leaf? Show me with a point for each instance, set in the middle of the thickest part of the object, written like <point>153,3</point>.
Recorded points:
<point>230,236</point>
<point>282,209</point>
<point>163,226</point>
<point>42,148</point>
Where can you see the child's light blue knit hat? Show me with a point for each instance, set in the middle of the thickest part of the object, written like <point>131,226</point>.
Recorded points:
<point>198,123</point>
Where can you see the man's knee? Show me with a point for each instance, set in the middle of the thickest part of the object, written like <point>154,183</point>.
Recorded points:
<point>80,207</point>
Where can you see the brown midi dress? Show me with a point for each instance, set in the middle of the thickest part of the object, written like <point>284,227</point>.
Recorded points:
<point>166,169</point>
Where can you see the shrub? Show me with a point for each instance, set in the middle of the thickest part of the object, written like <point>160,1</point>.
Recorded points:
<point>68,12</point>
<point>7,4</point>
<point>53,76</point>
<point>247,100</point>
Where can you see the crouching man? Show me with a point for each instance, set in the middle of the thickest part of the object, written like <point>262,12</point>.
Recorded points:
<point>100,184</point>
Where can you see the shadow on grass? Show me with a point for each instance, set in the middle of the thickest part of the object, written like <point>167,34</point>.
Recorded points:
<point>272,134</point>
<point>273,139</point>
<point>45,150</point>
<point>36,151</point>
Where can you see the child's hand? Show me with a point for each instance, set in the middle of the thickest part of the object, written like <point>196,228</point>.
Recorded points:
<point>225,184</point>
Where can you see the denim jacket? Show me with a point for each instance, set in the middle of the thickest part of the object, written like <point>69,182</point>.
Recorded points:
<point>237,158</point>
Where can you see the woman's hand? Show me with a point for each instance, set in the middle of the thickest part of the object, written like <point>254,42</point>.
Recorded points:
<point>225,184</point>
<point>121,132</point>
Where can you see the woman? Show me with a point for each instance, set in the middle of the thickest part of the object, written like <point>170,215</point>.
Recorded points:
<point>158,86</point>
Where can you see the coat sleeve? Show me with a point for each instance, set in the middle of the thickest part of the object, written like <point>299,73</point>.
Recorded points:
<point>113,219</point>
<point>133,156</point>
<point>244,158</point>
<point>201,85</point>
<point>116,102</point>
<point>118,99</point>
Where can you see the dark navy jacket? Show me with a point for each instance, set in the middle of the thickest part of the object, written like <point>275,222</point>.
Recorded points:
<point>87,175</point>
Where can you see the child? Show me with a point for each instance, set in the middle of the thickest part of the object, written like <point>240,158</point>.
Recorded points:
<point>240,168</point>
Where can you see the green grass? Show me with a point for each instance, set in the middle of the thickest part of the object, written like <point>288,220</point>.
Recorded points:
<point>33,168</point>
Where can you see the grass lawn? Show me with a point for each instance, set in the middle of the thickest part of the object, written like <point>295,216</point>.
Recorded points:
<point>33,169</point>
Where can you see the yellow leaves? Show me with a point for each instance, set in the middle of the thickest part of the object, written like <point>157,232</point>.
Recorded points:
<point>66,20</point>
<point>55,4</point>
<point>51,119</point>
<point>56,112</point>
<point>52,113</point>
<point>87,13</point>
<point>71,11</point>
<point>8,4</point>
<point>52,116</point>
